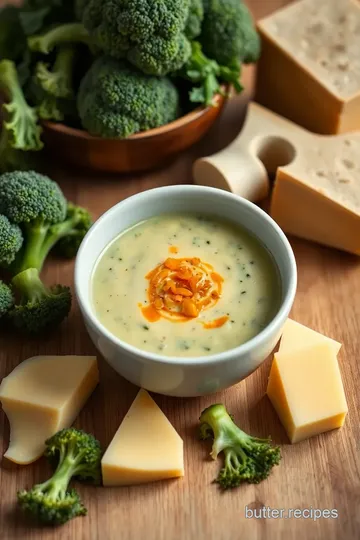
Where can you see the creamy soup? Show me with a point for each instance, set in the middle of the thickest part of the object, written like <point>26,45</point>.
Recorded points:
<point>185,285</point>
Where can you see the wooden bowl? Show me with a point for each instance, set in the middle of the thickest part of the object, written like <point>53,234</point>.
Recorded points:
<point>140,152</point>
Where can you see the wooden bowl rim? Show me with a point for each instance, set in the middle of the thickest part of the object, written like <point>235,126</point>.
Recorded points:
<point>171,126</point>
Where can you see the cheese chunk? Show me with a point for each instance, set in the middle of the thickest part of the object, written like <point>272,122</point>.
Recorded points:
<point>306,390</point>
<point>296,337</point>
<point>145,448</point>
<point>41,396</point>
<point>309,70</point>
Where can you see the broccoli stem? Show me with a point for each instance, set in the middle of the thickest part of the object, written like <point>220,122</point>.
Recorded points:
<point>58,81</point>
<point>66,33</point>
<point>20,119</point>
<point>30,286</point>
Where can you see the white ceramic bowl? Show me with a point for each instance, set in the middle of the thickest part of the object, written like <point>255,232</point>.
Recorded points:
<point>174,376</point>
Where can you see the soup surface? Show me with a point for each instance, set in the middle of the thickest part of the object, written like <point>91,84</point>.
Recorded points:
<point>185,285</point>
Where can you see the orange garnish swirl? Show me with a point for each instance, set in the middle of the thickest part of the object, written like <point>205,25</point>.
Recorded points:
<point>179,289</point>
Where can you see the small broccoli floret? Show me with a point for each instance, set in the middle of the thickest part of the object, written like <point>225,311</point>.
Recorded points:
<point>34,202</point>
<point>148,34</point>
<point>228,33</point>
<point>20,129</point>
<point>208,76</point>
<point>39,308</point>
<point>58,81</point>
<point>73,454</point>
<point>6,299</point>
<point>67,236</point>
<point>65,33</point>
<point>247,458</point>
<point>116,101</point>
<point>195,19</point>
<point>11,240</point>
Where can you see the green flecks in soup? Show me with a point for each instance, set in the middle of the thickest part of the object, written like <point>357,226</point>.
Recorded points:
<point>185,285</point>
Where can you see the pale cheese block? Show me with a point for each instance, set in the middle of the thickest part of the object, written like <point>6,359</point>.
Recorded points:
<point>306,390</point>
<point>309,70</point>
<point>296,337</point>
<point>41,396</point>
<point>145,448</point>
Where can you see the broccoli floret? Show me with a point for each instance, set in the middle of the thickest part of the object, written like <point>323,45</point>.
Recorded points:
<point>39,308</point>
<point>65,33</point>
<point>6,299</point>
<point>58,81</point>
<point>247,459</point>
<point>11,240</point>
<point>20,129</point>
<point>73,454</point>
<point>72,231</point>
<point>208,76</point>
<point>114,100</point>
<point>228,34</point>
<point>34,202</point>
<point>195,19</point>
<point>148,34</point>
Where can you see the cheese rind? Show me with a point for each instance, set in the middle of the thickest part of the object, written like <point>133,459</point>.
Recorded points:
<point>306,390</point>
<point>145,448</point>
<point>296,337</point>
<point>309,70</point>
<point>42,395</point>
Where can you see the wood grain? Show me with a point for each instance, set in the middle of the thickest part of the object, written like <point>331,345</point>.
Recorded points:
<point>320,473</point>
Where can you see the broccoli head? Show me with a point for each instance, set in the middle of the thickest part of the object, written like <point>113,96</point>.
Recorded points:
<point>114,100</point>
<point>73,454</point>
<point>148,34</point>
<point>247,458</point>
<point>20,129</point>
<point>39,309</point>
<point>34,202</point>
<point>228,33</point>
<point>11,240</point>
<point>6,299</point>
<point>195,19</point>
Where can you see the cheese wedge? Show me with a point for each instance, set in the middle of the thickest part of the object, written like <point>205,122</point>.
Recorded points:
<point>296,337</point>
<point>41,396</point>
<point>309,70</point>
<point>145,448</point>
<point>306,390</point>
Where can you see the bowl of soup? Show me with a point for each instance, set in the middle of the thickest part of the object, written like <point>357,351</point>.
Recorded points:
<point>185,290</point>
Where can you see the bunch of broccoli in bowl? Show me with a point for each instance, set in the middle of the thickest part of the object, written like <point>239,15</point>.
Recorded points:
<point>35,219</point>
<point>115,68</point>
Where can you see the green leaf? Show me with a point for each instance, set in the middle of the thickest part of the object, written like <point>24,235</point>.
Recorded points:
<point>33,21</point>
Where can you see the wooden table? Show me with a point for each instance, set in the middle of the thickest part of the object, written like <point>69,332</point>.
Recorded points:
<point>318,473</point>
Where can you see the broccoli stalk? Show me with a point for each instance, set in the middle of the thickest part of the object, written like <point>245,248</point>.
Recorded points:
<point>65,33</point>
<point>73,453</point>
<point>20,129</point>
<point>38,308</point>
<point>247,459</point>
<point>58,82</point>
<point>209,75</point>
<point>6,299</point>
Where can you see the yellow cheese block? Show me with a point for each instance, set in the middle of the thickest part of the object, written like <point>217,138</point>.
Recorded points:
<point>306,390</point>
<point>41,396</point>
<point>296,337</point>
<point>309,70</point>
<point>145,448</point>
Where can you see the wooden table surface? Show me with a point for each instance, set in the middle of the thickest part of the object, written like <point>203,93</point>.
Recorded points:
<point>320,473</point>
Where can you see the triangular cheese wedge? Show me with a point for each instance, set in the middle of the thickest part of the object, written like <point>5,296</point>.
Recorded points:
<point>145,448</point>
<point>297,337</point>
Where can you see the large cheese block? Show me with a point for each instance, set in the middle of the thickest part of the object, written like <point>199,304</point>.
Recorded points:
<point>306,390</point>
<point>41,396</point>
<point>145,448</point>
<point>309,70</point>
<point>296,337</point>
